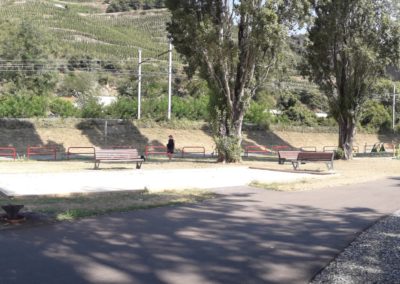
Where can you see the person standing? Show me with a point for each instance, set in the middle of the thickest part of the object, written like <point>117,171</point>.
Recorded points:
<point>170,147</point>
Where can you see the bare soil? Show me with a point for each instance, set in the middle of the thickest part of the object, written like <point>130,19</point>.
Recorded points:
<point>358,170</point>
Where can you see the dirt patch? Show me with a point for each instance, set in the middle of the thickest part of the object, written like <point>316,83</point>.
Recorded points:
<point>358,170</point>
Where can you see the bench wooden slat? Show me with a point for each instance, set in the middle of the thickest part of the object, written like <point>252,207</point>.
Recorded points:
<point>304,157</point>
<point>121,155</point>
<point>284,156</point>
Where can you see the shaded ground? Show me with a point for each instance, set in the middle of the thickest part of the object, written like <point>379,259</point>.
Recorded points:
<point>65,133</point>
<point>244,236</point>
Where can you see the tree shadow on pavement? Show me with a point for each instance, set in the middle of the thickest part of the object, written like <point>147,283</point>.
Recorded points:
<point>234,238</point>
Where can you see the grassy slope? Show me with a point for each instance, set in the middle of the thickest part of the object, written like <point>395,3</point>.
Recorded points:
<point>82,27</point>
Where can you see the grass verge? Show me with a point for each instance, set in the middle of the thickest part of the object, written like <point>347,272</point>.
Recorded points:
<point>280,186</point>
<point>80,206</point>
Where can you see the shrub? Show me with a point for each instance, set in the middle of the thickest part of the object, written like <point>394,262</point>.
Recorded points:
<point>91,108</point>
<point>63,108</point>
<point>23,105</point>
<point>339,154</point>
<point>125,108</point>
<point>258,114</point>
<point>375,117</point>
<point>301,115</point>
<point>76,84</point>
<point>190,108</point>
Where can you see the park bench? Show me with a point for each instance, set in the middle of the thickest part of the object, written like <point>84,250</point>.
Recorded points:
<point>117,155</point>
<point>284,156</point>
<point>305,157</point>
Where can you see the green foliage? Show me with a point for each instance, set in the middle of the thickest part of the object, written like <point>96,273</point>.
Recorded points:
<point>228,148</point>
<point>190,108</point>
<point>124,107</point>
<point>77,85</point>
<point>313,99</point>
<point>259,115</point>
<point>96,35</point>
<point>126,5</point>
<point>23,105</point>
<point>127,88</point>
<point>375,117</point>
<point>339,154</point>
<point>233,63</point>
<point>62,108</point>
<point>346,59</point>
<point>26,45</point>
<point>301,114</point>
<point>296,112</point>
<point>383,90</point>
<point>91,108</point>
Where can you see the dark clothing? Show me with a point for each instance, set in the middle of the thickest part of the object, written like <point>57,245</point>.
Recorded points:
<point>170,146</point>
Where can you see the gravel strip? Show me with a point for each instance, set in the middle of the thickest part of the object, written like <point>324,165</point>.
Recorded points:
<point>374,257</point>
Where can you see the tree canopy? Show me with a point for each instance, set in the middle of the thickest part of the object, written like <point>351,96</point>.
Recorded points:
<point>351,44</point>
<point>23,53</point>
<point>233,45</point>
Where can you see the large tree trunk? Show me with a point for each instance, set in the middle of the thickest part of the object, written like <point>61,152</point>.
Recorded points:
<point>229,141</point>
<point>347,129</point>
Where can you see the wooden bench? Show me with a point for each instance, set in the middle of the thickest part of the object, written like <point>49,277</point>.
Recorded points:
<point>305,157</point>
<point>117,155</point>
<point>284,156</point>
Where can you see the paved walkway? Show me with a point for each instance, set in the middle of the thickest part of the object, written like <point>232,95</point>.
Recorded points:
<point>106,180</point>
<point>244,236</point>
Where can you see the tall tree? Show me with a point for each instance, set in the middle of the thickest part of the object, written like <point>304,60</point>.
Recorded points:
<point>351,43</point>
<point>233,45</point>
<point>24,51</point>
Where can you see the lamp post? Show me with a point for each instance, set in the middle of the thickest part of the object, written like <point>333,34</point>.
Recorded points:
<point>139,84</point>
<point>394,107</point>
<point>169,77</point>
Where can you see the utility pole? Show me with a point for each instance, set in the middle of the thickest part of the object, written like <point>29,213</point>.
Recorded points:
<point>394,107</point>
<point>169,77</point>
<point>139,83</point>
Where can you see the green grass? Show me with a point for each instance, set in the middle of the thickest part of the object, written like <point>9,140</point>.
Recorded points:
<point>277,186</point>
<point>80,206</point>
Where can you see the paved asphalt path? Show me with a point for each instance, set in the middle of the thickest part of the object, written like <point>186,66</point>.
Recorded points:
<point>244,236</point>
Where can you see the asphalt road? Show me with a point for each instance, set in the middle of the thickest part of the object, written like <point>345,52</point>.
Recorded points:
<point>244,236</point>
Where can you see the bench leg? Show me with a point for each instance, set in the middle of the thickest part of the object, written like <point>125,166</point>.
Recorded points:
<point>96,165</point>
<point>138,165</point>
<point>295,165</point>
<point>329,166</point>
<point>281,161</point>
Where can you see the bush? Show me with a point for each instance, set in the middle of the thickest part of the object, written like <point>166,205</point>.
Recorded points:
<point>313,99</point>
<point>124,108</point>
<point>339,154</point>
<point>77,84</point>
<point>190,108</point>
<point>23,105</point>
<point>259,115</point>
<point>63,108</point>
<point>301,115</point>
<point>91,108</point>
<point>375,117</point>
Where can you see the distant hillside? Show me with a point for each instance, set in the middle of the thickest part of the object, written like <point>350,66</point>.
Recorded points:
<point>81,27</point>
